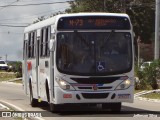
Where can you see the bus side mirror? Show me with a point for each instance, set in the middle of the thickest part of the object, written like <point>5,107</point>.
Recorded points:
<point>52,45</point>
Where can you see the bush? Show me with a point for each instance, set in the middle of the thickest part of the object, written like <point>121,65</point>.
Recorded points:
<point>16,68</point>
<point>151,74</point>
<point>148,77</point>
<point>141,83</point>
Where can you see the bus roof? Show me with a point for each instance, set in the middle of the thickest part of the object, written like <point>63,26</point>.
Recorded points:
<point>52,20</point>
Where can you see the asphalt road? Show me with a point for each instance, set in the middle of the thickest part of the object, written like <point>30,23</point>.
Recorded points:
<point>14,94</point>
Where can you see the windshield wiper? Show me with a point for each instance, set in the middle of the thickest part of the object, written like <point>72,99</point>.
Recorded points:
<point>106,39</point>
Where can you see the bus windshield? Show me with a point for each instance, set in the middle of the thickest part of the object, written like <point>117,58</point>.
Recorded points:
<point>94,53</point>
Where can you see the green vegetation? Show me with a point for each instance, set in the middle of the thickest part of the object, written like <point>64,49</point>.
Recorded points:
<point>148,77</point>
<point>4,76</point>
<point>152,95</point>
<point>16,67</point>
<point>18,81</point>
<point>137,91</point>
<point>15,71</point>
<point>141,12</point>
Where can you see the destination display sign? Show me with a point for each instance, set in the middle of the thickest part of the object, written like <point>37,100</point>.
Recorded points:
<point>93,22</point>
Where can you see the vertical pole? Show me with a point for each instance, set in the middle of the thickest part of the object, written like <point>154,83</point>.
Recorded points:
<point>138,54</point>
<point>104,5</point>
<point>157,30</point>
<point>138,41</point>
<point>6,57</point>
<point>124,6</point>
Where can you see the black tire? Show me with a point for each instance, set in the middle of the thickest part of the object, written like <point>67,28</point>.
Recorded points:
<point>106,106</point>
<point>33,101</point>
<point>54,108</point>
<point>114,107</point>
<point>47,93</point>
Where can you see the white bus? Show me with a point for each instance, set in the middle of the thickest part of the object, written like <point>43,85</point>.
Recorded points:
<point>82,58</point>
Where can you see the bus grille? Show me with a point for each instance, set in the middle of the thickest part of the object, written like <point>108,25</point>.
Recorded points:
<point>95,95</point>
<point>98,88</point>
<point>96,80</point>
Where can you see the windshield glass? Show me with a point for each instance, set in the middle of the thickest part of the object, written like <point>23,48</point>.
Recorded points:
<point>2,62</point>
<point>93,53</point>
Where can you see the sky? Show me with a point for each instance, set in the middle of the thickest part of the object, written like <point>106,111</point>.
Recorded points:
<point>11,38</point>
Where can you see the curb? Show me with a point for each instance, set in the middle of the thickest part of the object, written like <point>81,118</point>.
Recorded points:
<point>138,96</point>
<point>13,107</point>
<point>2,106</point>
<point>147,99</point>
<point>11,80</point>
<point>146,92</point>
<point>7,82</point>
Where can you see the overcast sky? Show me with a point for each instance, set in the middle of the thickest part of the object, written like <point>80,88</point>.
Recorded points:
<point>11,38</point>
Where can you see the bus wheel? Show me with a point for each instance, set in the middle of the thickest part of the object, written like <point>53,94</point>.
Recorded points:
<point>53,107</point>
<point>106,106</point>
<point>33,101</point>
<point>115,107</point>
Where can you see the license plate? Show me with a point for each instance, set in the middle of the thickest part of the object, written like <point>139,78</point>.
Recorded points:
<point>124,96</point>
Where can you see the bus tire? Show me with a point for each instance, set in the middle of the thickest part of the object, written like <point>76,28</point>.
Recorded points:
<point>47,92</point>
<point>33,101</point>
<point>53,107</point>
<point>105,106</point>
<point>114,107</point>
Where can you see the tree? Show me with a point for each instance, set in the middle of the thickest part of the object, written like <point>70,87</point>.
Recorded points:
<point>43,18</point>
<point>152,73</point>
<point>39,19</point>
<point>141,12</point>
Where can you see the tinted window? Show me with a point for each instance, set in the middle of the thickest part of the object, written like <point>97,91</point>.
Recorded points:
<point>2,62</point>
<point>93,53</point>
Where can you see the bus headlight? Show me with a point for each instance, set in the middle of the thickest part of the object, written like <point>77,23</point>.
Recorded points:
<point>64,85</point>
<point>124,85</point>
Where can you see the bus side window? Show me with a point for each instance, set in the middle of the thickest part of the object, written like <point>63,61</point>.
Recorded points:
<point>44,46</point>
<point>41,43</point>
<point>25,46</point>
<point>33,43</point>
<point>47,38</point>
<point>29,46</point>
<point>35,38</point>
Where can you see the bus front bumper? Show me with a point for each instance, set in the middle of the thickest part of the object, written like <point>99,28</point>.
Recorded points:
<point>64,97</point>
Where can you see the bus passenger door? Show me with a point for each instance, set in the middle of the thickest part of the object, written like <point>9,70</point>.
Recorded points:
<point>37,63</point>
<point>25,78</point>
<point>52,52</point>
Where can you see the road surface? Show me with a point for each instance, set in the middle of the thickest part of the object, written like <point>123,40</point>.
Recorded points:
<point>14,94</point>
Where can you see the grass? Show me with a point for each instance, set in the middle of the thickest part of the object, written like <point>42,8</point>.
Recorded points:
<point>4,76</point>
<point>18,81</point>
<point>137,91</point>
<point>152,95</point>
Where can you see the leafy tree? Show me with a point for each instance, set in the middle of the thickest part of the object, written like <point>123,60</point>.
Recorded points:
<point>152,73</point>
<point>141,12</point>
<point>149,76</point>
<point>141,83</point>
<point>39,19</point>
<point>16,68</point>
